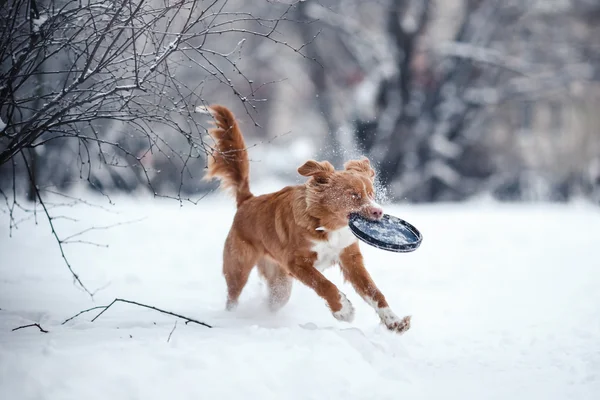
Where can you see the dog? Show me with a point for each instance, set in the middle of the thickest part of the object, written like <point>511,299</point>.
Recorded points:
<point>298,231</point>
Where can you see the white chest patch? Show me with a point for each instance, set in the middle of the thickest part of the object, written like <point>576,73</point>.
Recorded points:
<point>328,251</point>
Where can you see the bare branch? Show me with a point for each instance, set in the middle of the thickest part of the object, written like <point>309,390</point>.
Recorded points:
<point>31,326</point>
<point>99,228</point>
<point>172,330</point>
<point>50,221</point>
<point>105,308</point>
<point>82,312</point>
<point>104,85</point>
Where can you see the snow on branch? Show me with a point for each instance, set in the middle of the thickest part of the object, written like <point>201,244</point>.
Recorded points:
<point>116,85</point>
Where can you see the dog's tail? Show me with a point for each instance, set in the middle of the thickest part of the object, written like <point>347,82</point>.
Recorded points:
<point>229,159</point>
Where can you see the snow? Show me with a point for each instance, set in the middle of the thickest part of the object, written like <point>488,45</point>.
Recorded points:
<point>38,22</point>
<point>504,302</point>
<point>409,24</point>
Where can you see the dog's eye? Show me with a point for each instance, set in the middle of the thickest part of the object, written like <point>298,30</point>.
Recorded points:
<point>356,196</point>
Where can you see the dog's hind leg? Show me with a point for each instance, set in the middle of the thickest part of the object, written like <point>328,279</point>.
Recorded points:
<point>239,257</point>
<point>279,282</point>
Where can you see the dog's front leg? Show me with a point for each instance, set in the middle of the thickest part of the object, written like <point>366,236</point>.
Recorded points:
<point>353,268</point>
<point>302,268</point>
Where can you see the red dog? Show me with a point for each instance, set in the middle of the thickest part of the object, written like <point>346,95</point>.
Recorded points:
<point>297,231</point>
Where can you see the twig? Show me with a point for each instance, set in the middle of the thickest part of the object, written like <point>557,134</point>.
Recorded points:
<point>98,228</point>
<point>30,326</point>
<point>82,312</point>
<point>104,308</point>
<point>50,218</point>
<point>172,330</point>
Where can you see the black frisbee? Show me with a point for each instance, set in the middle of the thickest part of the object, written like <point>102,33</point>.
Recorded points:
<point>389,233</point>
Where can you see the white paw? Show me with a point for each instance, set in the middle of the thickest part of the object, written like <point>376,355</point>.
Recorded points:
<point>346,313</point>
<point>392,321</point>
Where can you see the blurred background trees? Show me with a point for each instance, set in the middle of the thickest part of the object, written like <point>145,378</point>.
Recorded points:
<point>450,99</point>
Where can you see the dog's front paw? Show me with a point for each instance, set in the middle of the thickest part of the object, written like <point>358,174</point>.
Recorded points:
<point>393,322</point>
<point>400,326</point>
<point>346,313</point>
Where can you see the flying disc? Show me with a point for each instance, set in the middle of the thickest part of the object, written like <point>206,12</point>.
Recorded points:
<point>389,233</point>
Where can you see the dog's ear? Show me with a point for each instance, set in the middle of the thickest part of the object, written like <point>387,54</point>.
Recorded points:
<point>363,166</point>
<point>320,171</point>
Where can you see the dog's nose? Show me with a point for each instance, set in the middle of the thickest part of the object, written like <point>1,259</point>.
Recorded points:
<point>376,212</point>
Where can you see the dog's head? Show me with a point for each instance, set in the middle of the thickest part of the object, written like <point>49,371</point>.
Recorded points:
<point>341,193</point>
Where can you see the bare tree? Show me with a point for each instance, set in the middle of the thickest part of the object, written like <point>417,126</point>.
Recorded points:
<point>105,91</point>
<point>426,105</point>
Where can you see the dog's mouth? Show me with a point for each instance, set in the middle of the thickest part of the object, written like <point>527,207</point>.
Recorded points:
<point>364,215</point>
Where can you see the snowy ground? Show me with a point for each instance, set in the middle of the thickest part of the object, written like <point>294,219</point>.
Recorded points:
<point>505,302</point>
